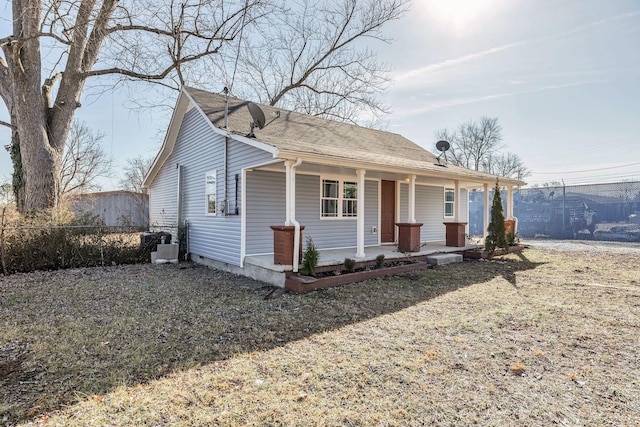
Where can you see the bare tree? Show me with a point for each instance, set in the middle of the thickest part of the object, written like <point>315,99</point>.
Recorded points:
<point>477,145</point>
<point>83,161</point>
<point>311,58</point>
<point>506,164</point>
<point>134,172</point>
<point>307,57</point>
<point>133,39</point>
<point>6,193</point>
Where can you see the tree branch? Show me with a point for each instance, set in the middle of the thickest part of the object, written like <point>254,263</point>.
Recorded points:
<point>9,125</point>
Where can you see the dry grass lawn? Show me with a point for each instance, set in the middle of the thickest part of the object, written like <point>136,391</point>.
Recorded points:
<point>546,337</point>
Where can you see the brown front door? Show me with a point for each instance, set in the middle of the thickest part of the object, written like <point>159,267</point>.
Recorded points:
<point>388,212</point>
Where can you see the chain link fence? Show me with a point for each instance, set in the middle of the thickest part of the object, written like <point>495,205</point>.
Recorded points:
<point>595,211</point>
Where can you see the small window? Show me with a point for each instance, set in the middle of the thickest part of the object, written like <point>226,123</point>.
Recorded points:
<point>210,192</point>
<point>449,202</point>
<point>350,199</point>
<point>339,199</point>
<point>330,198</point>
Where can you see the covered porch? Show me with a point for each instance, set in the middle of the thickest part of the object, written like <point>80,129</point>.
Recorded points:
<point>336,257</point>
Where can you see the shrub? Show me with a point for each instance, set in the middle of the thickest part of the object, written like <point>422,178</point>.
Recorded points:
<point>380,260</point>
<point>496,231</point>
<point>55,240</point>
<point>349,264</point>
<point>310,258</point>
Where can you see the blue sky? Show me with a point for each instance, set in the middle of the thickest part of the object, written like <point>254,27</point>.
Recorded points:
<point>563,77</point>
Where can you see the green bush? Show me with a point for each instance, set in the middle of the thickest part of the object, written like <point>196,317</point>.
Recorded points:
<point>380,260</point>
<point>310,258</point>
<point>349,264</point>
<point>496,230</point>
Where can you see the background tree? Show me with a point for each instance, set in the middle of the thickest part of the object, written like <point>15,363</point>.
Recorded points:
<point>308,58</point>
<point>477,145</point>
<point>84,161</point>
<point>134,172</point>
<point>6,194</point>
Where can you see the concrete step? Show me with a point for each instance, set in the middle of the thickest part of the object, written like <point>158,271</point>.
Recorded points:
<point>442,259</point>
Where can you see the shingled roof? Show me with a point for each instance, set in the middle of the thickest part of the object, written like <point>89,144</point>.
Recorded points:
<point>294,134</point>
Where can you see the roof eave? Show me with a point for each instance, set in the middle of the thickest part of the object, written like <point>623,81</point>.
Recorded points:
<point>446,174</point>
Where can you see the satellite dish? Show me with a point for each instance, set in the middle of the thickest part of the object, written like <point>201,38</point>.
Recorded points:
<point>443,145</point>
<point>257,115</point>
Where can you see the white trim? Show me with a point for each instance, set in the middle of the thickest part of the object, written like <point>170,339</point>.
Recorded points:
<point>444,195</point>
<point>340,179</point>
<point>360,213</point>
<point>243,217</point>
<point>207,174</point>
<point>224,132</point>
<point>379,210</point>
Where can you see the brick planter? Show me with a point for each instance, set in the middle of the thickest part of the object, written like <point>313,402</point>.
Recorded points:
<point>301,284</point>
<point>409,236</point>
<point>455,234</point>
<point>509,226</point>
<point>283,244</point>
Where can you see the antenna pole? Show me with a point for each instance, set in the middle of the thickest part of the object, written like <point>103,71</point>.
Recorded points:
<point>226,105</point>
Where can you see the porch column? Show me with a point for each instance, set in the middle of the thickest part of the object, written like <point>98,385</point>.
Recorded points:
<point>287,167</point>
<point>456,213</point>
<point>412,200</point>
<point>485,215</point>
<point>360,213</point>
<point>510,202</point>
<point>510,225</point>
<point>409,232</point>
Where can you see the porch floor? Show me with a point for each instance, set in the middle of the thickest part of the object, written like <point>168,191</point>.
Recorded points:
<point>329,257</point>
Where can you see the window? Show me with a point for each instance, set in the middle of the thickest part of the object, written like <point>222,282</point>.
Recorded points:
<point>210,192</point>
<point>338,199</point>
<point>449,202</point>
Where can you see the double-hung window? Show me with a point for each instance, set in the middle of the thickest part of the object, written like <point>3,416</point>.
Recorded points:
<point>449,202</point>
<point>339,199</point>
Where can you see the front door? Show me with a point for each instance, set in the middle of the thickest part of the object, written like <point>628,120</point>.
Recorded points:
<point>388,212</point>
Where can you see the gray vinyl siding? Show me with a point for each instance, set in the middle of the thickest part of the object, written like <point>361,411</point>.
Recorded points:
<point>266,207</point>
<point>163,200</point>
<point>430,210</point>
<point>266,198</point>
<point>199,150</point>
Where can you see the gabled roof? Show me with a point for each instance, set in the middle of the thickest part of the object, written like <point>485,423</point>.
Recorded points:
<point>294,134</point>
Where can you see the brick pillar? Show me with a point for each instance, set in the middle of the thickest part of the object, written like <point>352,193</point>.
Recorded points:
<point>509,226</point>
<point>409,236</point>
<point>283,244</point>
<point>455,234</point>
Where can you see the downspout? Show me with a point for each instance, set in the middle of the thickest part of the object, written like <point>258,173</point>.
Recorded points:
<point>292,215</point>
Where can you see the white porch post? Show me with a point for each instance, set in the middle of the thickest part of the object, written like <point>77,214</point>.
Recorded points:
<point>412,199</point>
<point>360,213</point>
<point>287,166</point>
<point>485,216</point>
<point>456,214</point>
<point>510,202</point>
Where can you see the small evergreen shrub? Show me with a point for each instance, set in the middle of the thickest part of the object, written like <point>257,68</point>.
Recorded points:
<point>380,260</point>
<point>496,231</point>
<point>310,258</point>
<point>349,264</point>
